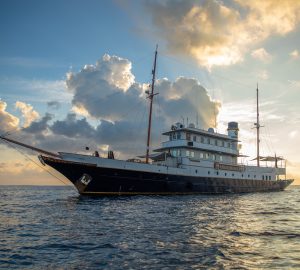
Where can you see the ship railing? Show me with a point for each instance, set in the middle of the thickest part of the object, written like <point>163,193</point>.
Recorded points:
<point>229,167</point>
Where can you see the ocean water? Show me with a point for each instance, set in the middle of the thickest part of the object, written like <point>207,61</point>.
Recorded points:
<point>55,228</point>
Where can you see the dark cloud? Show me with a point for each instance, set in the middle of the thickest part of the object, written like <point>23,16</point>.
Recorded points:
<point>40,126</point>
<point>72,127</point>
<point>54,105</point>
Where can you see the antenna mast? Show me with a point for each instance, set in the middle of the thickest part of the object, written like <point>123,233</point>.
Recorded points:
<point>150,96</point>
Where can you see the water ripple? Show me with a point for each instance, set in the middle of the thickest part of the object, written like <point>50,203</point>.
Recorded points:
<point>54,228</point>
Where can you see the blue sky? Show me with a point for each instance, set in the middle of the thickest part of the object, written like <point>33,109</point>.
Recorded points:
<point>226,47</point>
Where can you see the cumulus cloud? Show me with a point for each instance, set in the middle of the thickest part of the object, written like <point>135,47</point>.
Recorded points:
<point>262,55</point>
<point>8,122</point>
<point>104,89</point>
<point>117,110</point>
<point>219,34</point>
<point>28,112</point>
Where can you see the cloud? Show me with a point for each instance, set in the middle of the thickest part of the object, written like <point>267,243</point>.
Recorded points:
<point>28,113</point>
<point>71,127</point>
<point>16,167</point>
<point>39,127</point>
<point>219,34</point>
<point>54,105</point>
<point>34,90</point>
<point>8,122</point>
<point>117,107</point>
<point>294,54</point>
<point>262,55</point>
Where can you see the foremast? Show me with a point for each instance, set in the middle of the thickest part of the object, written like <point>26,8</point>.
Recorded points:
<point>150,96</point>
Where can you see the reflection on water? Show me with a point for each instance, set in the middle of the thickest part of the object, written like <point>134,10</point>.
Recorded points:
<point>54,227</point>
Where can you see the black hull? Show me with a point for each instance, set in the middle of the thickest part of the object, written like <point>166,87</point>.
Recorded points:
<point>92,180</point>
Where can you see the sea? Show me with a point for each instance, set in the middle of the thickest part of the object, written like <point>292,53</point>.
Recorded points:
<point>55,228</point>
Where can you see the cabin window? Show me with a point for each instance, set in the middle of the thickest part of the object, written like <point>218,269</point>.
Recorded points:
<point>222,143</point>
<point>221,158</point>
<point>208,172</point>
<point>202,139</point>
<point>225,174</point>
<point>213,157</point>
<point>188,136</point>
<point>248,175</point>
<point>170,137</point>
<point>178,136</point>
<point>263,177</point>
<point>217,173</point>
<point>254,176</point>
<point>216,142</point>
<point>187,153</point>
<point>174,153</point>
<point>178,152</point>
<point>233,174</point>
<point>208,140</point>
<point>194,138</point>
<point>174,136</point>
<point>269,177</point>
<point>192,154</point>
<point>242,175</point>
<point>201,155</point>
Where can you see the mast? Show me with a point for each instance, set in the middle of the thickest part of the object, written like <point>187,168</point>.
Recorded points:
<point>257,127</point>
<point>150,96</point>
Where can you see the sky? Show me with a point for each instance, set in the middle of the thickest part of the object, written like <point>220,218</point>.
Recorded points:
<point>74,74</point>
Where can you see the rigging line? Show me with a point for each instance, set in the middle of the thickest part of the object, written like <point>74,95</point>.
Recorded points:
<point>30,159</point>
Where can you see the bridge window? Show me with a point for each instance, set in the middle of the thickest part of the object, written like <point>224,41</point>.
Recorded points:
<point>194,138</point>
<point>263,177</point>
<point>188,136</point>
<point>216,142</point>
<point>178,136</point>
<point>202,139</point>
<point>174,136</point>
